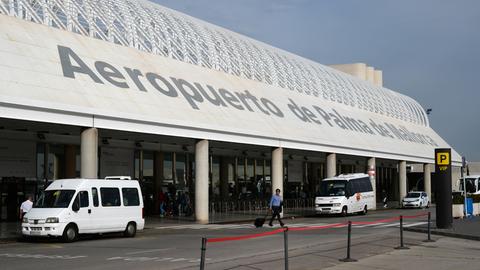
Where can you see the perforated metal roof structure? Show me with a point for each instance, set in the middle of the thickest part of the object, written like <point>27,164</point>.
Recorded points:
<point>150,27</point>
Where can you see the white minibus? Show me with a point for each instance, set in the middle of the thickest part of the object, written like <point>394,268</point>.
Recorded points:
<point>69,207</point>
<point>345,194</point>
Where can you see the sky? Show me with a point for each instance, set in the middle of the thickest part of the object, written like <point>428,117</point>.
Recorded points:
<point>427,49</point>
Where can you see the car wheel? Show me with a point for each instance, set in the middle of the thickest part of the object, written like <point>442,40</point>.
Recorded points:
<point>364,211</point>
<point>344,211</point>
<point>428,205</point>
<point>70,233</point>
<point>130,230</point>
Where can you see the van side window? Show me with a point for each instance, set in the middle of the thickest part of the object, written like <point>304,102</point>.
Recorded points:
<point>95,196</point>
<point>350,189</point>
<point>110,196</point>
<point>83,198</point>
<point>130,197</point>
<point>366,184</point>
<point>356,186</point>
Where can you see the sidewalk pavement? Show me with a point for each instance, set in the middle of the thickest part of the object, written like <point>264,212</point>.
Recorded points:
<point>444,254</point>
<point>467,228</point>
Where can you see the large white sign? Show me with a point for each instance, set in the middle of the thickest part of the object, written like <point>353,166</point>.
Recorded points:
<point>121,88</point>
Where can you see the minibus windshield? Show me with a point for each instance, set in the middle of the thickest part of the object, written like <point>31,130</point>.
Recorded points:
<point>332,188</point>
<point>55,199</point>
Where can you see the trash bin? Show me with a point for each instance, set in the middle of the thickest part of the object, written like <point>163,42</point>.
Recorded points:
<point>469,206</point>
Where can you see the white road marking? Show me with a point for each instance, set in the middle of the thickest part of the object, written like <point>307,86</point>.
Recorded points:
<point>156,259</point>
<point>369,225</point>
<point>40,256</point>
<point>148,251</point>
<point>389,225</point>
<point>276,225</point>
<point>178,260</point>
<point>414,224</point>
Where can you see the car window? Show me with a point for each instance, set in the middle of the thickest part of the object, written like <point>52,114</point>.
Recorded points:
<point>110,196</point>
<point>413,195</point>
<point>130,197</point>
<point>83,198</point>
<point>95,196</point>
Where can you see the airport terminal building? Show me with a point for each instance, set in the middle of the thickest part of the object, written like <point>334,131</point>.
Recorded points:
<point>94,88</point>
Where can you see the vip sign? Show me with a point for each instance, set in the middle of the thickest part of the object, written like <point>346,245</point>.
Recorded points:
<point>442,159</point>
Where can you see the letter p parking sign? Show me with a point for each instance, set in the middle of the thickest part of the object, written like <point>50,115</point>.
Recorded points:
<point>443,158</point>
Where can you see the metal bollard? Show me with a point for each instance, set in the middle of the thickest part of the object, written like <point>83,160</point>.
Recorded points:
<point>348,258</point>
<point>401,235</point>
<point>429,239</point>
<point>204,249</point>
<point>285,246</point>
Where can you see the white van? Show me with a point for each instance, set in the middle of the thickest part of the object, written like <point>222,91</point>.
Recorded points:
<point>344,194</point>
<point>69,207</point>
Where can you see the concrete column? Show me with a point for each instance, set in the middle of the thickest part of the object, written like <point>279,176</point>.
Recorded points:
<point>372,172</point>
<point>427,180</point>
<point>70,161</point>
<point>402,179</point>
<point>89,153</point>
<point>331,165</point>
<point>224,192</point>
<point>277,170</point>
<point>201,181</point>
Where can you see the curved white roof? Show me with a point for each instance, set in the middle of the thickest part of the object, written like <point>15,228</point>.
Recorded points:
<point>136,66</point>
<point>150,27</point>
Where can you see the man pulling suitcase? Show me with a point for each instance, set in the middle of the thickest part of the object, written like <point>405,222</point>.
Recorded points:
<point>276,203</point>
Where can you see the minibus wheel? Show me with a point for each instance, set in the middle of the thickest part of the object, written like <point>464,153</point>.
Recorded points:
<point>365,210</point>
<point>130,230</point>
<point>70,233</point>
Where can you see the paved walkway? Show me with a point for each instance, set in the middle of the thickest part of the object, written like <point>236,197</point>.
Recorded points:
<point>444,254</point>
<point>468,228</point>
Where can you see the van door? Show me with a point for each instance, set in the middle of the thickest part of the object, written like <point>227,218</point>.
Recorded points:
<point>351,198</point>
<point>112,219</point>
<point>82,216</point>
<point>96,212</point>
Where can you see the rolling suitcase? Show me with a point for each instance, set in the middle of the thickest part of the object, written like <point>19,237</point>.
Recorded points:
<point>259,222</point>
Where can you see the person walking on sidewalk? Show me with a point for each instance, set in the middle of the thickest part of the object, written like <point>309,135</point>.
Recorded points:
<point>276,207</point>
<point>26,206</point>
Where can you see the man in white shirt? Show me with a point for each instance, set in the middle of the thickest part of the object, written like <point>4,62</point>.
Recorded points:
<point>26,206</point>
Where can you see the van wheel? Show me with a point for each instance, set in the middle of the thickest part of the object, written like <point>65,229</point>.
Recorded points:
<point>364,211</point>
<point>344,211</point>
<point>70,233</point>
<point>131,230</point>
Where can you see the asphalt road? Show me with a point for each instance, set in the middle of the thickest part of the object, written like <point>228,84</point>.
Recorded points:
<point>178,246</point>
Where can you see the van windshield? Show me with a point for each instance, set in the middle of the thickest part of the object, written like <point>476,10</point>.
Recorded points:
<point>332,188</point>
<point>55,199</point>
